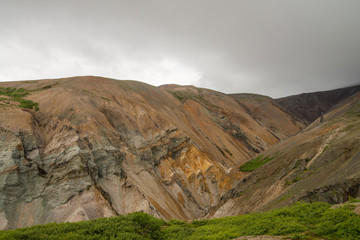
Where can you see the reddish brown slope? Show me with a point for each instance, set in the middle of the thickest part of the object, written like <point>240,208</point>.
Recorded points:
<point>322,163</point>
<point>265,111</point>
<point>100,147</point>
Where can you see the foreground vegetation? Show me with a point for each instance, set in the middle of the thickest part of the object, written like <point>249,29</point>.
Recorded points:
<point>300,221</point>
<point>17,95</point>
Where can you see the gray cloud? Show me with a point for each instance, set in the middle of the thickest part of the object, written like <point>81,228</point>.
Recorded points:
<point>273,47</point>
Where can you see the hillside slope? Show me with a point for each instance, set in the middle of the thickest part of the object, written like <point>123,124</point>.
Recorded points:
<point>88,147</point>
<point>308,106</point>
<point>321,163</point>
<point>265,111</point>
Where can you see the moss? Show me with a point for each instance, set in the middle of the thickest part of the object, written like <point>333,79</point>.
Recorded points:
<point>228,152</point>
<point>254,164</point>
<point>24,103</point>
<point>287,183</point>
<point>222,152</point>
<point>88,92</point>
<point>296,179</point>
<point>184,96</point>
<point>17,95</point>
<point>107,99</point>
<point>283,198</point>
<point>326,148</point>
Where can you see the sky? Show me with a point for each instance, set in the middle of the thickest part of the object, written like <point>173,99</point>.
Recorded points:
<point>270,47</point>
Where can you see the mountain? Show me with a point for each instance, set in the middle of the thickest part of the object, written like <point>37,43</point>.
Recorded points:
<point>88,147</point>
<point>308,106</point>
<point>321,163</point>
<point>268,114</point>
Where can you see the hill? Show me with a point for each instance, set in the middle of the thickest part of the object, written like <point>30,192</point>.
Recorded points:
<point>83,148</point>
<point>90,147</point>
<point>321,163</point>
<point>308,106</point>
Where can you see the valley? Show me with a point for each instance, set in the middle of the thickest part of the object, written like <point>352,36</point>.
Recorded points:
<point>94,147</point>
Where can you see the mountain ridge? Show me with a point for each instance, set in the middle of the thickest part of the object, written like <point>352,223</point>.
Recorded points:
<point>310,106</point>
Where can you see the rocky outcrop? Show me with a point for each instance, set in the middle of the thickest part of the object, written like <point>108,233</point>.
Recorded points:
<point>335,193</point>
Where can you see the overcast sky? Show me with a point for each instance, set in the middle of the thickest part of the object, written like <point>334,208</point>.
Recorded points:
<point>271,47</point>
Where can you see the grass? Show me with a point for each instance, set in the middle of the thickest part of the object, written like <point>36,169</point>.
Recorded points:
<point>132,226</point>
<point>220,150</point>
<point>325,148</point>
<point>86,91</point>
<point>254,164</point>
<point>17,95</point>
<point>184,96</point>
<point>91,93</point>
<point>353,200</point>
<point>107,99</point>
<point>228,152</point>
<point>300,221</point>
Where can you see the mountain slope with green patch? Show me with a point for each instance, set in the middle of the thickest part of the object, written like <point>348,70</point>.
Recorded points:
<point>321,163</point>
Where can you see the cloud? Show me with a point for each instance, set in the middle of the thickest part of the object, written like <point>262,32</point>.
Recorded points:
<point>274,47</point>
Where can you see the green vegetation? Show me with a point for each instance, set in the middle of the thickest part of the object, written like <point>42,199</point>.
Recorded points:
<point>86,91</point>
<point>27,104</point>
<point>132,226</point>
<point>220,150</point>
<point>228,151</point>
<point>300,221</point>
<point>13,92</point>
<point>17,94</point>
<point>107,99</point>
<point>353,200</point>
<point>254,164</point>
<point>93,94</point>
<point>184,96</point>
<point>223,153</point>
<point>326,148</point>
<point>298,171</point>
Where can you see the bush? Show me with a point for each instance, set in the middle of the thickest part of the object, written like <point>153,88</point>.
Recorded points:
<point>27,103</point>
<point>300,221</point>
<point>349,229</point>
<point>17,94</point>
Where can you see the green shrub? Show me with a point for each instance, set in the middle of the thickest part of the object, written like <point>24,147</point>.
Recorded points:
<point>17,94</point>
<point>300,221</point>
<point>24,103</point>
<point>349,229</point>
<point>353,200</point>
